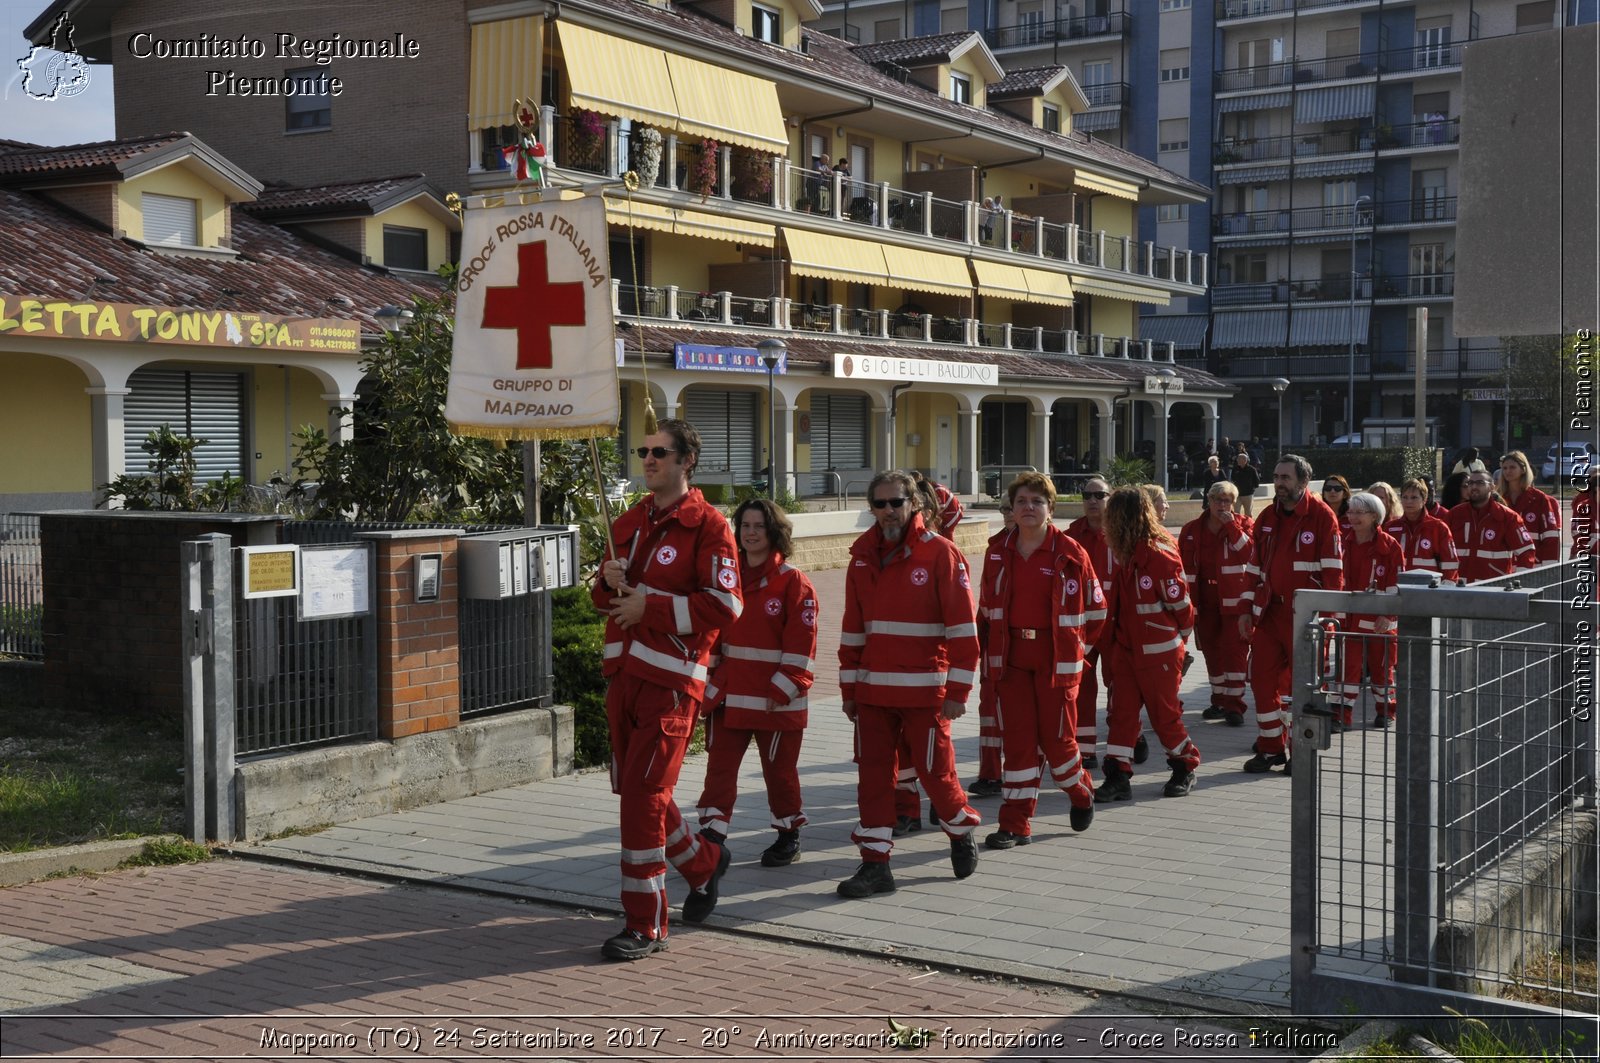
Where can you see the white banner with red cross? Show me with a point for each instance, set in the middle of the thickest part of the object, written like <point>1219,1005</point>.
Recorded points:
<point>534,353</point>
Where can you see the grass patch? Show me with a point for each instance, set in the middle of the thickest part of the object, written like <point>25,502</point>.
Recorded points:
<point>1473,1039</point>
<point>70,776</point>
<point>1563,979</point>
<point>161,852</point>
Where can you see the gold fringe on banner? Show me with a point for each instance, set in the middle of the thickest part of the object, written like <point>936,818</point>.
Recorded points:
<point>504,434</point>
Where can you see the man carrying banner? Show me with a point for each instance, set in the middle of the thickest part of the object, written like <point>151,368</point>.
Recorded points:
<point>672,585</point>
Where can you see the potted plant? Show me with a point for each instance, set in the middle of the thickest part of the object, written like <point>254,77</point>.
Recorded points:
<point>752,176</point>
<point>588,129</point>
<point>703,179</point>
<point>647,156</point>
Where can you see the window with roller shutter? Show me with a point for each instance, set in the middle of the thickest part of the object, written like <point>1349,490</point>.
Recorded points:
<point>198,403</point>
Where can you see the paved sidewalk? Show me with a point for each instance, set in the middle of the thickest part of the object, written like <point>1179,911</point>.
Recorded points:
<point>235,959</point>
<point>1161,897</point>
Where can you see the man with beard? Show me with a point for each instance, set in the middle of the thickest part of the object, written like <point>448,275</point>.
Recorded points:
<point>908,658</point>
<point>1490,537</point>
<point>1296,545</point>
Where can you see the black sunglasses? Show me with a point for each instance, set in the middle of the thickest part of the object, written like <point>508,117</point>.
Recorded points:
<point>879,503</point>
<point>654,452</point>
<point>1332,487</point>
<point>1095,494</point>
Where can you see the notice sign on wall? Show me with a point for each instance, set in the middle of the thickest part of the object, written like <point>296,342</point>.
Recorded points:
<point>335,581</point>
<point>269,571</point>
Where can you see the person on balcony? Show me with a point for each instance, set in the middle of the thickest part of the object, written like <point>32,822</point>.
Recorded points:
<point>1040,608</point>
<point>761,669</point>
<point>669,588</point>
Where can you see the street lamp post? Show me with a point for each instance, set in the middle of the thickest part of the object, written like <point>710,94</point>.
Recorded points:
<point>772,351</point>
<point>1350,393</point>
<point>1280,385</point>
<point>1166,378</point>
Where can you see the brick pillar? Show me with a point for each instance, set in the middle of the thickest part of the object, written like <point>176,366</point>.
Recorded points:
<point>419,655</point>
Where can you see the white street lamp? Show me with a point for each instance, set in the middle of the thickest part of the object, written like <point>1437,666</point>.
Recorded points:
<point>1165,379</point>
<point>772,351</point>
<point>393,318</point>
<point>1280,385</point>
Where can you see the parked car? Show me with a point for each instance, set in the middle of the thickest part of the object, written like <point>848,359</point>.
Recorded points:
<point>1352,439</point>
<point>1574,460</point>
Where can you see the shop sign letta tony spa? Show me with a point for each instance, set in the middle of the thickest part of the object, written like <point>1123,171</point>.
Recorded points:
<point>30,317</point>
<point>534,352</point>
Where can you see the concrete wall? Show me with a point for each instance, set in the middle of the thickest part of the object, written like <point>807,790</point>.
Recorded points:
<point>1526,239</point>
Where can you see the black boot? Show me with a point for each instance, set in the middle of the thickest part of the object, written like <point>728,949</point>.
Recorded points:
<point>868,880</point>
<point>784,851</point>
<point>1117,787</point>
<point>1182,780</point>
<point>1141,750</point>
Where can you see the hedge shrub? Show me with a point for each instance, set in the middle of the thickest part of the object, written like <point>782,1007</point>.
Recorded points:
<point>578,634</point>
<point>1362,466</point>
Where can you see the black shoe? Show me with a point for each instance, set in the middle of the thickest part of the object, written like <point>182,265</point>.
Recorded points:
<point>1337,726</point>
<point>1213,712</point>
<point>631,945</point>
<point>1261,762</point>
<point>1181,783</point>
<point>701,902</point>
<point>904,825</point>
<point>868,880</point>
<point>963,856</point>
<point>1141,750</point>
<point>1379,719</point>
<point>1117,787</point>
<point>984,788</point>
<point>1080,818</point>
<point>1004,839</point>
<point>784,851</point>
<point>1235,719</point>
<point>1091,761</point>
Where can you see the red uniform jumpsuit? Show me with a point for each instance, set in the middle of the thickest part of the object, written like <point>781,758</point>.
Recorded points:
<point>1288,552</point>
<point>684,560</point>
<point>907,798</point>
<point>1148,618</point>
<point>908,643</point>
<point>1492,541</point>
<point>760,673</point>
<point>1541,515</point>
<point>1215,564</point>
<point>1426,544</point>
<point>1105,563</point>
<point>988,725</point>
<point>1036,617</point>
<point>1374,565</point>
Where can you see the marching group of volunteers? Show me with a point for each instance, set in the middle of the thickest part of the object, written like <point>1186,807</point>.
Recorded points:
<point>710,621</point>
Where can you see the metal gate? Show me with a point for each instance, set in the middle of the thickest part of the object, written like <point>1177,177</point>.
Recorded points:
<point>1448,860</point>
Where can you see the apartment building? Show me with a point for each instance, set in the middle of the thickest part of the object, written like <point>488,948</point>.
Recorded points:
<point>1329,131</point>
<point>961,297</point>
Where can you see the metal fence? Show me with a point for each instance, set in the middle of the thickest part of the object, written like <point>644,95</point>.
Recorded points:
<point>1449,860</point>
<point>21,587</point>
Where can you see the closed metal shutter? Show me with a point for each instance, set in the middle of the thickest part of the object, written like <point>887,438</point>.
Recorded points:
<point>170,220</point>
<point>839,425</point>
<point>727,423</point>
<point>204,405</point>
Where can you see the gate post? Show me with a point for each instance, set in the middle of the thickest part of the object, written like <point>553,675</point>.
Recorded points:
<point>1418,682</point>
<point>208,698</point>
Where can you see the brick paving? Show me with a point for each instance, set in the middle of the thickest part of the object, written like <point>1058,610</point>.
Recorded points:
<point>236,959</point>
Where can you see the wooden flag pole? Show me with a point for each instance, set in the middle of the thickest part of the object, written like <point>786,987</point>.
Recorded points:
<point>605,502</point>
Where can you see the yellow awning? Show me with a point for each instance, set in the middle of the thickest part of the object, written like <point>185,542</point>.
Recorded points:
<point>1001,281</point>
<point>1052,289</point>
<point>618,77</point>
<point>1109,185</point>
<point>836,258</point>
<point>927,271</point>
<point>672,92</point>
<point>724,227</point>
<point>644,215</point>
<point>1133,293</point>
<point>505,67</point>
<point>727,105</point>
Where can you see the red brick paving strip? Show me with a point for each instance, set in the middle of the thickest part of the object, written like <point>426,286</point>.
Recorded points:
<point>261,948</point>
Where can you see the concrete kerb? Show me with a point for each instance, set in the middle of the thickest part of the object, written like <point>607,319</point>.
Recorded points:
<point>35,864</point>
<point>1168,1001</point>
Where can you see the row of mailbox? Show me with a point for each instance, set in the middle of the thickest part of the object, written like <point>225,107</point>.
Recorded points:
<point>509,564</point>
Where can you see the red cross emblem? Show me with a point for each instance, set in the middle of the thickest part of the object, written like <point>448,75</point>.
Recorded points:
<point>534,306</point>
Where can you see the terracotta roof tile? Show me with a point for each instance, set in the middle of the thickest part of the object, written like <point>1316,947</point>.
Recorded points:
<point>1023,82</point>
<point>100,157</point>
<point>911,51</point>
<point>341,196</point>
<point>47,251</point>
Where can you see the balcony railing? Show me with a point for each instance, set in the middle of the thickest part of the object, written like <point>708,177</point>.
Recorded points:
<point>1106,93</point>
<point>1333,289</point>
<point>1295,145</point>
<point>1421,133</point>
<point>767,181</point>
<point>1418,210</point>
<point>729,310</point>
<point>1227,9</point>
<point>1421,58</point>
<point>1415,286</point>
<point>1085,27</point>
